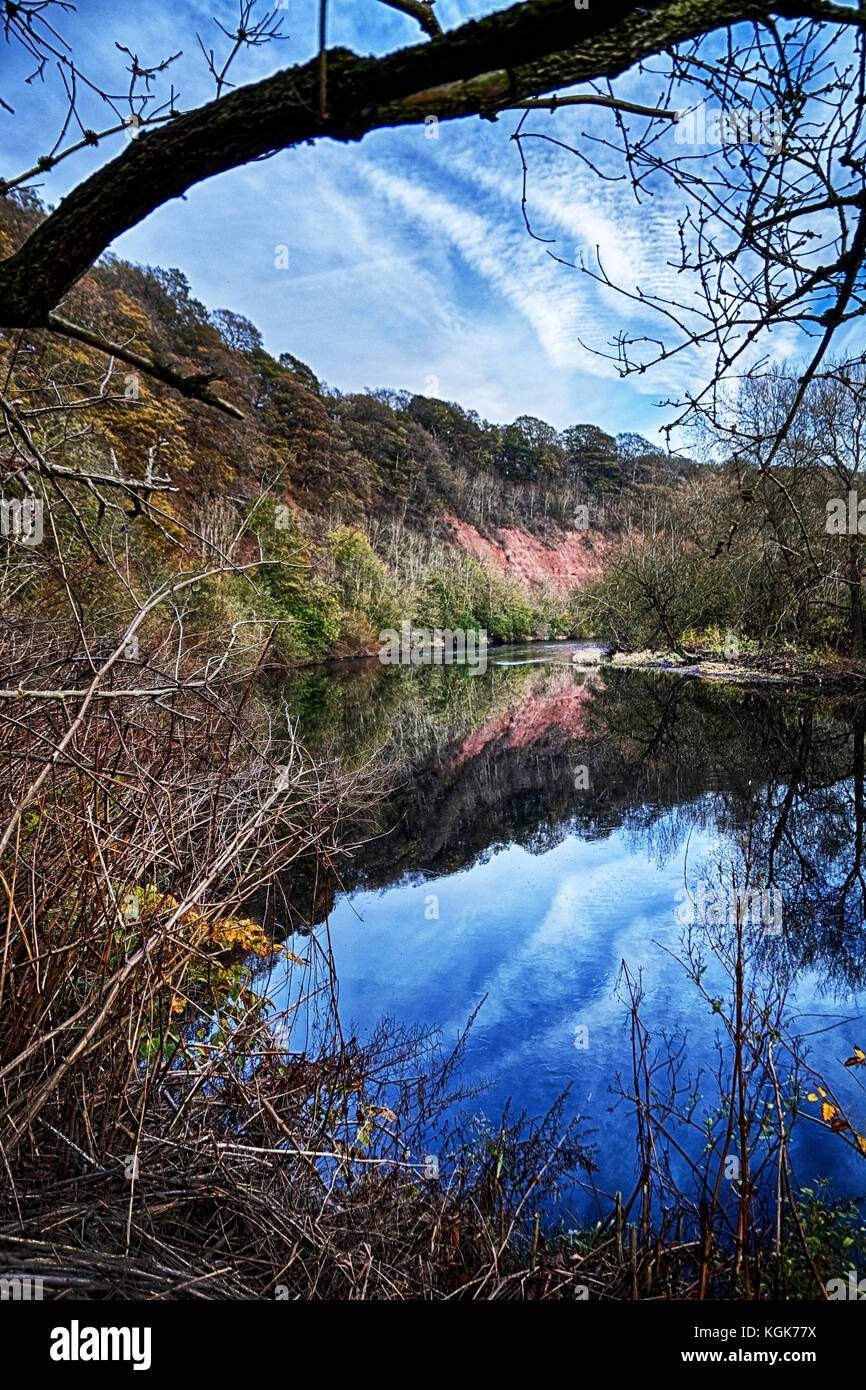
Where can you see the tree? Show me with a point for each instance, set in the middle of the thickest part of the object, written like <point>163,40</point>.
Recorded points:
<point>808,516</point>
<point>236,331</point>
<point>530,449</point>
<point>592,458</point>
<point>481,68</point>
<point>772,179</point>
<point>465,440</point>
<point>398,450</point>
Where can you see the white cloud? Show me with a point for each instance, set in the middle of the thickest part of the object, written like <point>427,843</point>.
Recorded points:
<point>511,264</point>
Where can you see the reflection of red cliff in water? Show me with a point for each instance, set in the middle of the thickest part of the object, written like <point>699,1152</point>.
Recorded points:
<point>560,703</point>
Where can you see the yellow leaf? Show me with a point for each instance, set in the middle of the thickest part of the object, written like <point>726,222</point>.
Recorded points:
<point>828,1111</point>
<point>858,1059</point>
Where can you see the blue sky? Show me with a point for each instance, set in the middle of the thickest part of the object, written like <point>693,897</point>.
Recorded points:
<point>409,264</point>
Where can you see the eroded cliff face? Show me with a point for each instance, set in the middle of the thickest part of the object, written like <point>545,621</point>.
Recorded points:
<point>564,560</point>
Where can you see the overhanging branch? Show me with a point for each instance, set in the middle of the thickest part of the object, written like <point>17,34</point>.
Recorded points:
<point>511,56</point>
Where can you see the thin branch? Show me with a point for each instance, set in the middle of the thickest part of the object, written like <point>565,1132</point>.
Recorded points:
<point>553,104</point>
<point>420,11</point>
<point>193,386</point>
<point>48,469</point>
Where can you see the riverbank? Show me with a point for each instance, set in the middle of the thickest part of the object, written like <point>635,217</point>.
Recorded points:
<point>829,674</point>
<point>759,668</point>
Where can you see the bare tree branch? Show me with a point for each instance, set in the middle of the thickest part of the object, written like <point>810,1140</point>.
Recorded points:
<point>615,103</point>
<point>193,386</point>
<point>39,463</point>
<point>509,56</point>
<point>420,11</point>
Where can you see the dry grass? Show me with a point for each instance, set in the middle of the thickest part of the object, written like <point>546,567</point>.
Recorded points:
<point>164,1132</point>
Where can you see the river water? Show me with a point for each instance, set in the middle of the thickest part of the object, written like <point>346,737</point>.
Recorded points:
<point>552,822</point>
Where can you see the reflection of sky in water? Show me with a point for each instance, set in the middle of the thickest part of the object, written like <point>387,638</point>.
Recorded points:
<point>543,937</point>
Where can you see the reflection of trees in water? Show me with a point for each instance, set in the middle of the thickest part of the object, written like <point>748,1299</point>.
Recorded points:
<point>356,706</point>
<point>488,761</point>
<point>791,769</point>
<point>812,826</point>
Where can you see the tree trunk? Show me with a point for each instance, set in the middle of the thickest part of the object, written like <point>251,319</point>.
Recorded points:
<point>855,581</point>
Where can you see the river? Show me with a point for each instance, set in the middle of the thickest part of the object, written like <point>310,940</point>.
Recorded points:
<point>551,822</point>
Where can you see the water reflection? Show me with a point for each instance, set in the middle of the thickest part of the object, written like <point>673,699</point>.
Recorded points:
<point>544,824</point>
